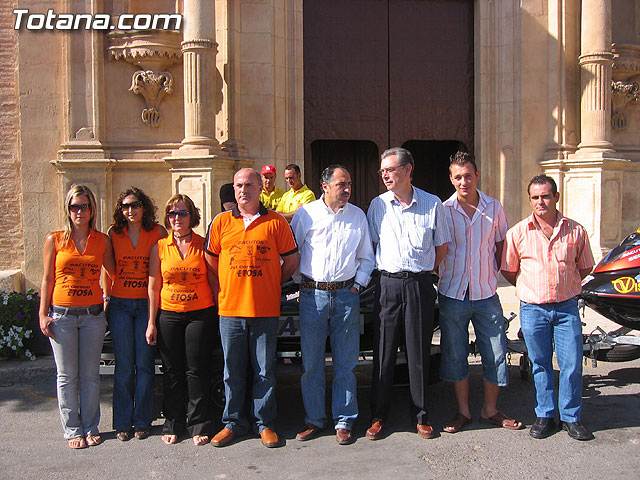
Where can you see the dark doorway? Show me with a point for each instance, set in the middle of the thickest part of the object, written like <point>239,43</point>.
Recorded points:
<point>432,164</point>
<point>361,159</point>
<point>388,72</point>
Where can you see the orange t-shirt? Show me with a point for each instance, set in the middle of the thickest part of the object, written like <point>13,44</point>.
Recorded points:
<point>132,264</point>
<point>77,275</point>
<point>184,281</point>
<point>249,268</point>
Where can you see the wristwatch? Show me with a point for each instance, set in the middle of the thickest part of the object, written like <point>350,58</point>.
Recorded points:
<point>357,286</point>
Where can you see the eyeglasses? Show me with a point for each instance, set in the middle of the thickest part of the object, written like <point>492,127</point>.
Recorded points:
<point>382,171</point>
<point>82,207</point>
<point>178,213</point>
<point>134,205</point>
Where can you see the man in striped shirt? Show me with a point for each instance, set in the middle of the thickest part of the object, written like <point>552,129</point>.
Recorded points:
<point>467,292</point>
<point>546,256</point>
<point>409,234</point>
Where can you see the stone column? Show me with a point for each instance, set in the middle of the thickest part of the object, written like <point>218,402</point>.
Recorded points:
<point>596,62</point>
<point>591,179</point>
<point>199,50</point>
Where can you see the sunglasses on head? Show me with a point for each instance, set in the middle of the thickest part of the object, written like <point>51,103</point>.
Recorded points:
<point>82,207</point>
<point>178,213</point>
<point>135,205</point>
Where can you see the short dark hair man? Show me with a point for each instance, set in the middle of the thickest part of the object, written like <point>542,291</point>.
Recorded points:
<point>408,228</point>
<point>336,261</point>
<point>297,195</point>
<point>244,247</point>
<point>546,256</point>
<point>467,293</point>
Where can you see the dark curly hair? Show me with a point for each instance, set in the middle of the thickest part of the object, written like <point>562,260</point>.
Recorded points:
<point>148,211</point>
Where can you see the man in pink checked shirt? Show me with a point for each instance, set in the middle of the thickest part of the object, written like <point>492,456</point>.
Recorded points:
<point>546,256</point>
<point>467,293</point>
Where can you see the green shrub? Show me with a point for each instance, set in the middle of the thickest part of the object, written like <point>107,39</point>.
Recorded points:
<point>16,311</point>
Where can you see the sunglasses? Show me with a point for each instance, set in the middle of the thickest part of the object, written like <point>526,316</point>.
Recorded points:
<point>83,207</point>
<point>134,205</point>
<point>178,213</point>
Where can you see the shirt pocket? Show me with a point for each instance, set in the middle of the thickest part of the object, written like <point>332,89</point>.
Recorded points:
<point>565,252</point>
<point>420,233</point>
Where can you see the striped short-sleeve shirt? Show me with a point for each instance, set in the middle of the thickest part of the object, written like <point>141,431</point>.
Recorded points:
<point>548,268</point>
<point>471,262</point>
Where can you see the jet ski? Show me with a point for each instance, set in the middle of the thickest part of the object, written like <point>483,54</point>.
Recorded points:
<point>613,288</point>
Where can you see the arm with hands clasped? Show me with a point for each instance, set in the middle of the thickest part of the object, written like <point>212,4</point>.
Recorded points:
<point>155,285</point>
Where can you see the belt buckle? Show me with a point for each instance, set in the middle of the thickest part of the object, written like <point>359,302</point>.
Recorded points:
<point>403,274</point>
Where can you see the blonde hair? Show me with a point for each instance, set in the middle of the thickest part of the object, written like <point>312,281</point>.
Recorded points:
<point>77,191</point>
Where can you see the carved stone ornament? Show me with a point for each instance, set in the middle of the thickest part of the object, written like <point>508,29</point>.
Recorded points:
<point>153,86</point>
<point>622,94</point>
<point>147,49</point>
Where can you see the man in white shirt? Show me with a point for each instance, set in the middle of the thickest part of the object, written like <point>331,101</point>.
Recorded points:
<point>467,292</point>
<point>408,228</point>
<point>336,262</point>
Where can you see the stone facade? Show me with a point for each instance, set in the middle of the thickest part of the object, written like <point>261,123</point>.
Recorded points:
<point>180,111</point>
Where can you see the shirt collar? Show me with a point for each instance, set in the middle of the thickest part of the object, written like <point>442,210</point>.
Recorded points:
<point>531,221</point>
<point>329,210</point>
<point>235,211</point>
<point>395,201</point>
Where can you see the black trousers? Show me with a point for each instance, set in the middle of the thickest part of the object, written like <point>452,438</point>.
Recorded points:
<point>185,340</point>
<point>403,308</point>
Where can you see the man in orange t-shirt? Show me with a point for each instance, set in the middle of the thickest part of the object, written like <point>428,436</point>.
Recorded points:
<point>244,247</point>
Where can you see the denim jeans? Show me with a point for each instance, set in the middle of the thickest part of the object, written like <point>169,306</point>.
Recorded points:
<point>77,344</point>
<point>135,368</point>
<point>488,325</point>
<point>334,314</point>
<point>544,326</point>
<point>249,341</point>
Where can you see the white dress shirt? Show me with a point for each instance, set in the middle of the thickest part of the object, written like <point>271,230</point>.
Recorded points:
<point>471,257</point>
<point>407,236</point>
<point>334,246</point>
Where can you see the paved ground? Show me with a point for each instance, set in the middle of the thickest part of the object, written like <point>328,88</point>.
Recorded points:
<point>31,444</point>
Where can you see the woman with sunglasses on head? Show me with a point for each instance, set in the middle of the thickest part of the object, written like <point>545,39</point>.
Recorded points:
<point>182,319</point>
<point>72,314</point>
<point>133,233</point>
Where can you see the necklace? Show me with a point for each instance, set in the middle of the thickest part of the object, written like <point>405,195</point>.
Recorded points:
<point>183,236</point>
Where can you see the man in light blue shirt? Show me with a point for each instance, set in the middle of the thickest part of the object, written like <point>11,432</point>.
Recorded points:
<point>336,262</point>
<point>409,232</point>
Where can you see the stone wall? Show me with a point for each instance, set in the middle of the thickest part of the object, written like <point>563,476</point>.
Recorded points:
<point>11,244</point>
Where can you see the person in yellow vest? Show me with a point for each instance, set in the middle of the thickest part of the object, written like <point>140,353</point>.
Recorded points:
<point>297,195</point>
<point>270,195</point>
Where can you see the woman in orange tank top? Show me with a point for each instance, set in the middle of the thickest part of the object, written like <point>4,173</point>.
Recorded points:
<point>72,314</point>
<point>182,319</point>
<point>133,233</point>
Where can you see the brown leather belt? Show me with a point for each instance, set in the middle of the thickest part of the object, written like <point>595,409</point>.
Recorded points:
<point>327,286</point>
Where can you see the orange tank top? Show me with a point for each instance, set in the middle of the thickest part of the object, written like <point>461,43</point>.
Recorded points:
<point>77,275</point>
<point>184,281</point>
<point>132,264</point>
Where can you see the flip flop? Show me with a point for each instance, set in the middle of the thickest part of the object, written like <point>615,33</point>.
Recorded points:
<point>93,439</point>
<point>200,440</point>
<point>169,439</point>
<point>457,423</point>
<point>501,420</point>
<point>77,443</point>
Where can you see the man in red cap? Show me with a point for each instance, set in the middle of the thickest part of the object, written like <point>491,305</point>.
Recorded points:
<point>270,194</point>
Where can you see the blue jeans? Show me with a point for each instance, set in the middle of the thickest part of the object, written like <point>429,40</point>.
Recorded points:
<point>249,341</point>
<point>544,326</point>
<point>135,368</point>
<point>488,325</point>
<point>77,344</point>
<point>334,314</point>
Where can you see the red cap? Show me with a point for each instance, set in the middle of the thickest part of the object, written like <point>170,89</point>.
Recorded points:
<point>268,169</point>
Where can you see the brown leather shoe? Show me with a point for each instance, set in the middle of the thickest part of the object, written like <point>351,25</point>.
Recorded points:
<point>311,431</point>
<point>375,430</point>
<point>223,438</point>
<point>343,436</point>
<point>269,438</point>
<point>425,431</point>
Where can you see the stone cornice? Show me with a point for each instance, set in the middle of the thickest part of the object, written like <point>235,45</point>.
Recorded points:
<point>149,49</point>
